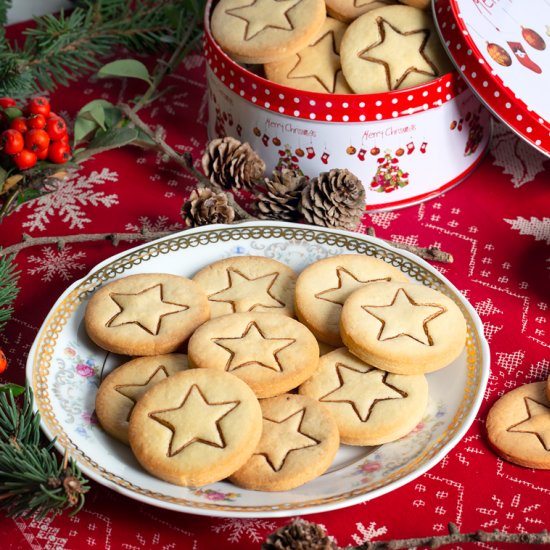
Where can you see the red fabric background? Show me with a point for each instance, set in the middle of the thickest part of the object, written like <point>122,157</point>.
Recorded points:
<point>497,226</point>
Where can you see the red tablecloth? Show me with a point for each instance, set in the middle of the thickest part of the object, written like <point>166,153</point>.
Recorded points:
<point>496,224</point>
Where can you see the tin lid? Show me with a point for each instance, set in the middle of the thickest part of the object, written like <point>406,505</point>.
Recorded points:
<point>502,48</point>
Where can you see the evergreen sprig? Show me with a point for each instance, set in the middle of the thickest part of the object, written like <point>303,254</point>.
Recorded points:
<point>33,481</point>
<point>61,48</point>
<point>9,278</point>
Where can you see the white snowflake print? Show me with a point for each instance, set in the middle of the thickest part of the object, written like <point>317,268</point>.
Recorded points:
<point>161,224</point>
<point>56,262</point>
<point>518,159</point>
<point>68,198</point>
<point>383,219</point>
<point>540,229</point>
<point>367,534</point>
<point>255,529</point>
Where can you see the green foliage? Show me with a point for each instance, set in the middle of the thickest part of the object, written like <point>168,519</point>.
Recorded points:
<point>8,289</point>
<point>130,68</point>
<point>33,481</point>
<point>61,48</point>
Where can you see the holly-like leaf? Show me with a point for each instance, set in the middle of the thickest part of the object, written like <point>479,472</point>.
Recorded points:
<point>91,117</point>
<point>15,389</point>
<point>129,68</point>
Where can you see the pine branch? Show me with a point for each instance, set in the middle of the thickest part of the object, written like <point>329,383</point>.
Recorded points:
<point>9,278</point>
<point>33,482</point>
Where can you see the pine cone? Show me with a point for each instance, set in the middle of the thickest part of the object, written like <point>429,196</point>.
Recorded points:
<point>282,199</point>
<point>299,535</point>
<point>232,164</point>
<point>205,207</point>
<point>334,199</point>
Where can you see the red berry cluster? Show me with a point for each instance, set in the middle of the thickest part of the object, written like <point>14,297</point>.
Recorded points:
<point>32,134</point>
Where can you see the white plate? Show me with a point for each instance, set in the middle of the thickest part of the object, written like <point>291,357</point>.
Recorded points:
<point>64,369</point>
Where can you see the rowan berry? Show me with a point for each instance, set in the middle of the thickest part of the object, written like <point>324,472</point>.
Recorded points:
<point>6,102</point>
<point>3,362</point>
<point>12,142</point>
<point>19,124</point>
<point>42,154</point>
<point>39,106</point>
<point>36,121</point>
<point>25,159</point>
<point>59,152</point>
<point>35,140</point>
<point>56,128</point>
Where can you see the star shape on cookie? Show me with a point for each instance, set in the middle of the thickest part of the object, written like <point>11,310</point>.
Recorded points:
<point>247,293</point>
<point>347,283</point>
<point>281,437</point>
<point>253,348</point>
<point>134,391</point>
<point>307,65</point>
<point>362,390</point>
<point>264,14</point>
<point>397,67</point>
<point>404,317</point>
<point>146,309</point>
<point>195,420</point>
<point>536,423</point>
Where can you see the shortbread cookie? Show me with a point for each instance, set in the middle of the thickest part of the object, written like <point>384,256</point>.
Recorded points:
<point>316,68</point>
<point>518,426</point>
<point>324,348</point>
<point>391,48</point>
<point>299,442</point>
<point>369,405</point>
<point>261,31</point>
<point>248,283</point>
<point>123,387</point>
<point>349,10</point>
<point>196,427</point>
<point>322,288</point>
<point>146,314</point>
<point>272,353</point>
<point>405,328</point>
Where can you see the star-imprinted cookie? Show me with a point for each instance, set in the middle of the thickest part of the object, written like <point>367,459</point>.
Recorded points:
<point>145,314</point>
<point>391,48</point>
<point>518,426</point>
<point>261,31</point>
<point>248,283</point>
<point>299,442</point>
<point>124,386</point>
<point>272,353</point>
<point>369,405</point>
<point>404,328</point>
<point>316,67</point>
<point>323,287</point>
<point>196,427</point>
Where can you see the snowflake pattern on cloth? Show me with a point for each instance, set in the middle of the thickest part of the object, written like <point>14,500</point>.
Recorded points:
<point>56,262</point>
<point>236,530</point>
<point>538,228</point>
<point>69,198</point>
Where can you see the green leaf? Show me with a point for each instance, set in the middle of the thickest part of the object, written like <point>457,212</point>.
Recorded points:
<point>15,389</point>
<point>104,141</point>
<point>129,68</point>
<point>90,117</point>
<point>13,112</point>
<point>28,195</point>
<point>3,176</point>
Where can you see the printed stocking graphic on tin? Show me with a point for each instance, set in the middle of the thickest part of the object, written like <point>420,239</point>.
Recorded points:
<point>410,148</point>
<point>361,154</point>
<point>324,158</point>
<point>389,175</point>
<point>423,147</point>
<point>310,152</point>
<point>523,58</point>
<point>265,140</point>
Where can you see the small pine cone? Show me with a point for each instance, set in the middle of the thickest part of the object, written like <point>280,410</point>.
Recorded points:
<point>299,535</point>
<point>205,207</point>
<point>334,199</point>
<point>232,164</point>
<point>282,199</point>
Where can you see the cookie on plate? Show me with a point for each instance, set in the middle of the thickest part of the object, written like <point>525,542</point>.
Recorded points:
<point>123,387</point>
<point>405,328</point>
<point>248,283</point>
<point>261,31</point>
<point>323,287</point>
<point>349,10</point>
<point>145,314</point>
<point>299,442</point>
<point>518,426</point>
<point>370,406</point>
<point>272,353</point>
<point>391,48</point>
<point>196,427</point>
<point>315,68</point>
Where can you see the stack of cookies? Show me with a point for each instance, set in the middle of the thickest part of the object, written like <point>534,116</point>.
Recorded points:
<point>360,47</point>
<point>252,400</point>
